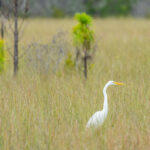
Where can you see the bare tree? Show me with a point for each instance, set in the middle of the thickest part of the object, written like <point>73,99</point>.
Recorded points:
<point>25,8</point>
<point>16,40</point>
<point>2,19</point>
<point>14,8</point>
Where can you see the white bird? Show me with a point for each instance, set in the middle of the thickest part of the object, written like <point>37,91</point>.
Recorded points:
<point>98,117</point>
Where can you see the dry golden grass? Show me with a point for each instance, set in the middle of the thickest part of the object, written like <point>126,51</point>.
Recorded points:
<point>38,113</point>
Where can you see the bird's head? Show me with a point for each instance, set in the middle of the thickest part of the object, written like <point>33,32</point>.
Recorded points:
<point>114,83</point>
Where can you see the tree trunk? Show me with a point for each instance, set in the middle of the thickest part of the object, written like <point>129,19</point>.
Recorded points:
<point>2,21</point>
<point>77,58</point>
<point>15,37</point>
<point>2,29</point>
<point>85,64</point>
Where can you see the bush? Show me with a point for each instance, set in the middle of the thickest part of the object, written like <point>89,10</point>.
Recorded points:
<point>46,58</point>
<point>82,34</point>
<point>69,63</point>
<point>2,56</point>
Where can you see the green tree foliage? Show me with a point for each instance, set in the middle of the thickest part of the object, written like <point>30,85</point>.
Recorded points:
<point>109,7</point>
<point>2,56</point>
<point>83,36</point>
<point>58,13</point>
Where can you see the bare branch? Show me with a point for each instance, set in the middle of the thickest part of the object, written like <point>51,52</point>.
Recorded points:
<point>25,52</point>
<point>10,26</point>
<point>11,54</point>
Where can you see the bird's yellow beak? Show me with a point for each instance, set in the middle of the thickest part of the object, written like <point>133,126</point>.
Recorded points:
<point>118,83</point>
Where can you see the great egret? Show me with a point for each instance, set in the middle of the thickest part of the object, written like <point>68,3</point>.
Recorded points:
<point>98,118</point>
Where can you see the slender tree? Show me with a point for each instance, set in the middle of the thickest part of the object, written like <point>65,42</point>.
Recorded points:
<point>83,37</point>
<point>14,8</point>
<point>2,19</point>
<point>16,40</point>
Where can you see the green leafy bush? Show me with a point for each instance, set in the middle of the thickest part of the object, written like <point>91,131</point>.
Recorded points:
<point>82,34</point>
<point>69,63</point>
<point>2,56</point>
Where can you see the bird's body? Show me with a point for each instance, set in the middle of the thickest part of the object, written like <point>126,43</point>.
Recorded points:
<point>99,117</point>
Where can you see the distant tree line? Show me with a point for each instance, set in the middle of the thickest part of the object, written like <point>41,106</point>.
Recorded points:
<point>109,7</point>
<point>61,8</point>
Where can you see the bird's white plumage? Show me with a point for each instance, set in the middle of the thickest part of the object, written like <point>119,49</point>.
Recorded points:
<point>99,117</point>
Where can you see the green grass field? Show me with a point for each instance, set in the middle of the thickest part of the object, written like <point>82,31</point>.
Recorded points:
<point>51,113</point>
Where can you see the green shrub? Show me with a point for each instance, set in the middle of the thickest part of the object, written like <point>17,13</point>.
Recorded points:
<point>82,34</point>
<point>69,63</point>
<point>2,56</point>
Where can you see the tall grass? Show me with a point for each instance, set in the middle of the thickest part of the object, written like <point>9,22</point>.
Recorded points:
<point>51,113</point>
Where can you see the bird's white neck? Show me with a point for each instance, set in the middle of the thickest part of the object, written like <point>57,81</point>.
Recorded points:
<point>105,105</point>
